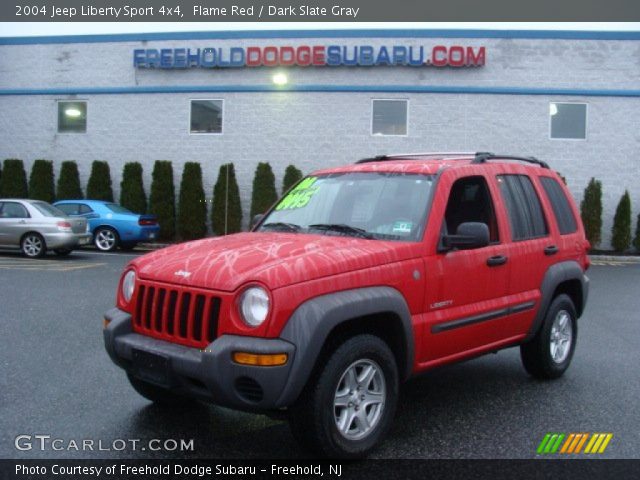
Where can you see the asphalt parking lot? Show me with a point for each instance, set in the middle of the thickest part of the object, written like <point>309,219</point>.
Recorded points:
<point>57,380</point>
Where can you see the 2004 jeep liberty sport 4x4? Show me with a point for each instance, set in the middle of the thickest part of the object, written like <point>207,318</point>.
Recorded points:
<point>357,279</point>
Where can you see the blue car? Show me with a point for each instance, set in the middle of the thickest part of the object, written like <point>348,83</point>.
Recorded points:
<point>111,224</point>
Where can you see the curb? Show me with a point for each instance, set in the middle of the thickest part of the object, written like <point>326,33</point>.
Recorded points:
<point>616,258</point>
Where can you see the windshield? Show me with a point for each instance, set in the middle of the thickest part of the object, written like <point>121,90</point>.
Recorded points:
<point>375,205</point>
<point>115,208</point>
<point>48,210</point>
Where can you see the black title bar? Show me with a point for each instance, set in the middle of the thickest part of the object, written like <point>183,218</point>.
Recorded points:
<point>317,11</point>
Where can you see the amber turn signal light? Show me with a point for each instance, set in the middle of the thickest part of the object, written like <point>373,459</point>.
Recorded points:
<point>259,359</point>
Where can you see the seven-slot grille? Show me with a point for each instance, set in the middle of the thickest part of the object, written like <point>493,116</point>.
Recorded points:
<point>176,314</point>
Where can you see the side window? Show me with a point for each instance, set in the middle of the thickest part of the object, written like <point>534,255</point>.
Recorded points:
<point>85,209</point>
<point>14,210</point>
<point>560,205</point>
<point>523,206</point>
<point>470,201</point>
<point>69,208</point>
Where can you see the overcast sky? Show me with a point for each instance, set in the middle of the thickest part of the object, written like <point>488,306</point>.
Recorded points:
<point>82,28</point>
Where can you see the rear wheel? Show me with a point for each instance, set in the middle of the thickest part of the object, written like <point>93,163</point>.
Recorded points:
<point>348,407</point>
<point>33,245</point>
<point>106,239</point>
<point>158,395</point>
<point>550,352</point>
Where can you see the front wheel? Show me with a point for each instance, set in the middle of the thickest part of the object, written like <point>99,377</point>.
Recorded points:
<point>549,354</point>
<point>106,239</point>
<point>348,407</point>
<point>33,245</point>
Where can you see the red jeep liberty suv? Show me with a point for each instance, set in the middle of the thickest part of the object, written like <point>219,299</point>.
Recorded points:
<point>357,279</point>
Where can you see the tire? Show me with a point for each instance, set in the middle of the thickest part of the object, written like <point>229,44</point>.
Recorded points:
<point>62,252</point>
<point>331,397</point>
<point>128,246</point>
<point>33,245</point>
<point>158,395</point>
<point>549,354</point>
<point>106,239</point>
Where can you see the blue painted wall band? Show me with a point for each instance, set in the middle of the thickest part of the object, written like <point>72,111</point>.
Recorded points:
<point>323,88</point>
<point>372,33</point>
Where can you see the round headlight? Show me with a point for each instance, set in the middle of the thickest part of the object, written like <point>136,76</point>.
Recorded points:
<point>128,285</point>
<point>254,306</point>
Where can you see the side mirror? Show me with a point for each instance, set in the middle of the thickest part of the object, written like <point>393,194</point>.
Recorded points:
<point>469,235</point>
<point>256,219</point>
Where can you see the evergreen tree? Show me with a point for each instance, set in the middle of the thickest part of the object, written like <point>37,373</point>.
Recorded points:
<point>69,182</point>
<point>636,240</point>
<point>41,185</point>
<point>192,209</point>
<point>591,212</point>
<point>13,183</point>
<point>621,231</point>
<point>226,211</point>
<point>162,199</point>
<point>99,185</point>
<point>132,194</point>
<point>291,176</point>
<point>264,189</point>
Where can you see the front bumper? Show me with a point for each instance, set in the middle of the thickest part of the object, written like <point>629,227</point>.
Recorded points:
<point>208,374</point>
<point>66,239</point>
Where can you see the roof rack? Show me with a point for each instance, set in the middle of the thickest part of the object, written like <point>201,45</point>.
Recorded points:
<point>393,156</point>
<point>482,157</point>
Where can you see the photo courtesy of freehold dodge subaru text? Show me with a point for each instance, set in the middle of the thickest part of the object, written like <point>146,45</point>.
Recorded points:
<point>319,240</point>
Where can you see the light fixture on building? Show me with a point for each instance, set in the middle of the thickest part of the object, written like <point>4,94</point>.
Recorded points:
<point>553,109</point>
<point>280,79</point>
<point>72,112</point>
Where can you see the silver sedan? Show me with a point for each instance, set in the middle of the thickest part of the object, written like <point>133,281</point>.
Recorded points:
<point>37,226</point>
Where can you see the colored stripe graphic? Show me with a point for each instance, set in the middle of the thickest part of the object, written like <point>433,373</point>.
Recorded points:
<point>595,443</point>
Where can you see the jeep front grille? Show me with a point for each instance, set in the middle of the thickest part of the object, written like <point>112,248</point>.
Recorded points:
<point>175,314</point>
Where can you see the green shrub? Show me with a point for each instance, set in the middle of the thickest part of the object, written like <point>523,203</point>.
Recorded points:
<point>636,240</point>
<point>69,182</point>
<point>591,212</point>
<point>41,186</point>
<point>264,189</point>
<point>13,183</point>
<point>226,210</point>
<point>162,200</point>
<point>192,209</point>
<point>621,231</point>
<point>291,176</point>
<point>99,185</point>
<point>132,194</point>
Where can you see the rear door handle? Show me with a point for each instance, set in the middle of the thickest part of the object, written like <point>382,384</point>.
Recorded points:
<point>551,250</point>
<point>496,260</point>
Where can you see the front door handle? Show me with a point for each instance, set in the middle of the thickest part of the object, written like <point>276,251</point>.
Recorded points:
<point>496,260</point>
<point>551,250</point>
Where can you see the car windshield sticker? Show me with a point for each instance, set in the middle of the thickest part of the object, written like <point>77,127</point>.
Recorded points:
<point>300,196</point>
<point>402,227</point>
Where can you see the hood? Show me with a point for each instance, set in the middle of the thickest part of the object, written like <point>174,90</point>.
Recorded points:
<point>272,258</point>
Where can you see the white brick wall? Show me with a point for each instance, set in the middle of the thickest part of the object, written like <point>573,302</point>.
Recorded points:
<point>313,130</point>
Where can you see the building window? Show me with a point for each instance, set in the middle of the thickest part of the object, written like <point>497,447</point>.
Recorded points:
<point>72,117</point>
<point>389,117</point>
<point>206,116</point>
<point>568,120</point>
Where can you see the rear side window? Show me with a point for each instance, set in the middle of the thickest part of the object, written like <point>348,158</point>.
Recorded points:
<point>560,205</point>
<point>526,217</point>
<point>69,208</point>
<point>13,210</point>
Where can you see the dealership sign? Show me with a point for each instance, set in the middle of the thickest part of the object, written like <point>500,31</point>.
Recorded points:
<point>307,55</point>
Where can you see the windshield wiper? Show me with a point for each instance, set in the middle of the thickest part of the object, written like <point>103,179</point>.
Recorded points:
<point>291,227</point>
<point>342,228</point>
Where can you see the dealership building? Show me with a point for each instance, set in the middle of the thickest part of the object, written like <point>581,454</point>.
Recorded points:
<point>324,98</point>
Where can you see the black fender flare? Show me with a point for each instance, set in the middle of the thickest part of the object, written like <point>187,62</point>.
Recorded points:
<point>555,275</point>
<point>311,323</point>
